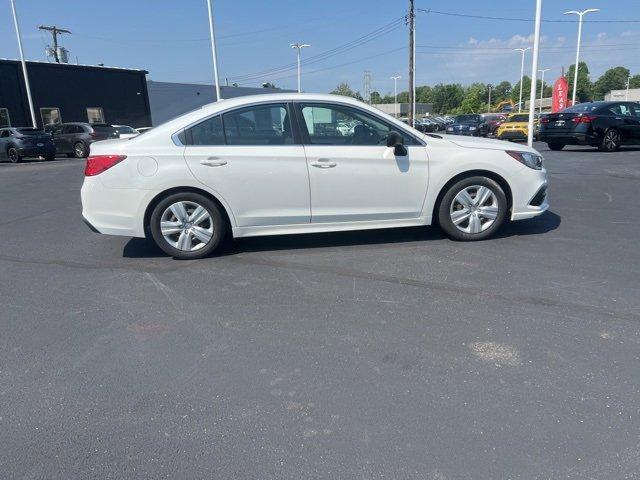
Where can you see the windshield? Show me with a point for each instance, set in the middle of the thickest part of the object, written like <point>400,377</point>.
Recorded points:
<point>103,128</point>
<point>467,119</point>
<point>583,107</point>
<point>519,118</point>
<point>30,131</point>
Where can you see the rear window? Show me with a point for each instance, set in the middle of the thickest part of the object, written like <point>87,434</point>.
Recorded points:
<point>467,118</point>
<point>30,131</point>
<point>126,130</point>
<point>583,108</point>
<point>103,128</point>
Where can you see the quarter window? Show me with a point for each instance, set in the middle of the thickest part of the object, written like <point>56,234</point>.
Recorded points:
<point>50,116</point>
<point>95,115</point>
<point>259,125</point>
<point>208,132</point>
<point>342,125</point>
<point>5,121</point>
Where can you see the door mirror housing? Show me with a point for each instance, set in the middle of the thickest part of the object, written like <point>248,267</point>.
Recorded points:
<point>395,140</point>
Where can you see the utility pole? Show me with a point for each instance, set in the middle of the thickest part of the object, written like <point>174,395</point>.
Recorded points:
<point>366,90</point>
<point>534,72</point>
<point>24,65</point>
<point>298,47</point>
<point>55,31</point>
<point>412,62</point>
<point>626,95</point>
<point>395,94</point>
<point>214,54</point>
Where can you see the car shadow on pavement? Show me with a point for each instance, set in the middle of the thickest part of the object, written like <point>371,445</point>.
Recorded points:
<point>143,248</point>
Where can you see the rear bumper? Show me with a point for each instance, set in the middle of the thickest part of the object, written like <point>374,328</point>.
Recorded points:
<point>114,211</point>
<point>568,138</point>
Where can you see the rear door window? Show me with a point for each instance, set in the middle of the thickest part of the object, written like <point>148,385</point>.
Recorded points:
<point>258,125</point>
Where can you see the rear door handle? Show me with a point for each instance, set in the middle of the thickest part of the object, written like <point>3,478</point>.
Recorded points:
<point>323,163</point>
<point>213,162</point>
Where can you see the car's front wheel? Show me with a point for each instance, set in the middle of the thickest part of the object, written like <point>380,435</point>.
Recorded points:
<point>187,225</point>
<point>472,209</point>
<point>555,146</point>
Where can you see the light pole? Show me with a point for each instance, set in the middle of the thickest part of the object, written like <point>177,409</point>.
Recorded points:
<point>213,51</point>
<point>542,86</point>
<point>626,95</point>
<point>489,102</point>
<point>24,65</point>
<point>575,70</point>
<point>534,71</point>
<point>522,51</point>
<point>395,93</point>
<point>298,47</point>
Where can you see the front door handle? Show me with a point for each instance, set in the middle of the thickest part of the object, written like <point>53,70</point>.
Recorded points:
<point>213,162</point>
<point>323,163</point>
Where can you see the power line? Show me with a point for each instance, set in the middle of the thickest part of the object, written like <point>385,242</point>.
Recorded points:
<point>394,25</point>
<point>512,19</point>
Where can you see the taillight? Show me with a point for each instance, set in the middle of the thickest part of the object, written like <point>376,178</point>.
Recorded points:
<point>544,120</point>
<point>583,119</point>
<point>99,163</point>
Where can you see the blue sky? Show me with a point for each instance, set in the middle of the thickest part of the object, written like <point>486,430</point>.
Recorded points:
<point>170,38</point>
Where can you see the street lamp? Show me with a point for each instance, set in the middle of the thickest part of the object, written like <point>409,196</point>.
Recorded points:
<point>213,51</point>
<point>489,102</point>
<point>395,93</point>
<point>24,65</point>
<point>542,86</point>
<point>575,70</point>
<point>298,47</point>
<point>522,51</point>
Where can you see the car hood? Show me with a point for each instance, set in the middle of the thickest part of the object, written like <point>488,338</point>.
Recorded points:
<point>485,143</point>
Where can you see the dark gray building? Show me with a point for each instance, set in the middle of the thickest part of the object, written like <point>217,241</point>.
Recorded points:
<point>168,100</point>
<point>73,93</point>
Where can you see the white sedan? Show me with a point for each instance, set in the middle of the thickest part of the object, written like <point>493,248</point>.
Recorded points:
<point>278,164</point>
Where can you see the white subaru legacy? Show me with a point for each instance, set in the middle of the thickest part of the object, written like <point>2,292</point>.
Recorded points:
<point>280,164</point>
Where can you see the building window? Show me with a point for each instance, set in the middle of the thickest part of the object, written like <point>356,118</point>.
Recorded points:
<point>50,116</point>
<point>5,121</point>
<point>95,115</point>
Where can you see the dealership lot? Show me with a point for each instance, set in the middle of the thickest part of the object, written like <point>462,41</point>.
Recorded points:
<point>385,354</point>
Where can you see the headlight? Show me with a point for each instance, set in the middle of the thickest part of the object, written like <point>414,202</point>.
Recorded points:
<point>529,159</point>
<point>472,128</point>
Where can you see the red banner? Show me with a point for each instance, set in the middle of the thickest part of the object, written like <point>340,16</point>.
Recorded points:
<point>560,91</point>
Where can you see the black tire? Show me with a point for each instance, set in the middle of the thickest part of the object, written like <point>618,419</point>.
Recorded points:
<point>611,141</point>
<point>79,150</point>
<point>13,155</point>
<point>555,146</point>
<point>216,219</point>
<point>448,204</point>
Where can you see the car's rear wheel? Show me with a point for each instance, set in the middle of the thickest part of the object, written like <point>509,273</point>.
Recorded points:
<point>611,141</point>
<point>555,146</point>
<point>14,156</point>
<point>79,150</point>
<point>187,225</point>
<point>472,209</point>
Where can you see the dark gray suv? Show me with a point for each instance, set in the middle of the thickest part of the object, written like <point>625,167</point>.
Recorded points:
<point>74,138</point>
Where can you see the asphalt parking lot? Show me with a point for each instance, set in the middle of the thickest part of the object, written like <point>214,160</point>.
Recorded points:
<point>389,354</point>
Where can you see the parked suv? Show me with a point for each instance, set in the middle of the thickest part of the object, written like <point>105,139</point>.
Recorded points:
<point>74,139</point>
<point>17,143</point>
<point>606,125</point>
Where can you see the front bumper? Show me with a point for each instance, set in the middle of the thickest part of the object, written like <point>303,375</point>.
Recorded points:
<point>530,197</point>
<point>511,135</point>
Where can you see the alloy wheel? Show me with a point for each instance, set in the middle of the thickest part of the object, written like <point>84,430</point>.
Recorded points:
<point>474,209</point>
<point>13,155</point>
<point>186,226</point>
<point>611,140</point>
<point>79,150</point>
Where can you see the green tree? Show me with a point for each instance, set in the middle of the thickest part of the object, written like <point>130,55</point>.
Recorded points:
<point>526,90</point>
<point>501,92</point>
<point>376,97</point>
<point>613,79</point>
<point>634,82</point>
<point>345,90</point>
<point>269,85</point>
<point>447,97</point>
<point>424,94</point>
<point>584,92</point>
<point>475,99</point>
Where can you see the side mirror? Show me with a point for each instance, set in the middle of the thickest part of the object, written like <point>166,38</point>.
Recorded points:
<point>395,140</point>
